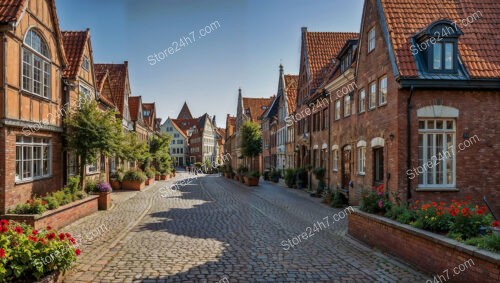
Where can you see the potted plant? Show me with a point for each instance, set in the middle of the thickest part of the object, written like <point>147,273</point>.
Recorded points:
<point>266,175</point>
<point>115,179</point>
<point>134,180</point>
<point>165,174</point>
<point>301,178</point>
<point>275,175</point>
<point>242,171</point>
<point>104,190</point>
<point>290,178</point>
<point>173,171</point>
<point>252,178</point>
<point>150,174</point>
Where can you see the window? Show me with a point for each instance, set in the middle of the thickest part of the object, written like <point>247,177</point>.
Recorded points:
<point>176,135</point>
<point>448,56</point>
<point>36,71</point>
<point>347,105</point>
<point>372,101</point>
<point>378,165</point>
<point>362,101</point>
<point>325,118</point>
<point>437,56</point>
<point>85,63</point>
<point>337,110</point>
<point>72,164</point>
<point>361,160</point>
<point>102,166</point>
<point>32,158</point>
<point>382,96</point>
<point>146,112</point>
<point>371,39</point>
<point>436,148</point>
<point>85,93</point>
<point>443,57</point>
<point>336,160</point>
<point>346,61</point>
<point>93,167</point>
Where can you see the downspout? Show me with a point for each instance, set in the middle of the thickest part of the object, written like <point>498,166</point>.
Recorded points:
<point>329,136</point>
<point>408,143</point>
<point>4,75</point>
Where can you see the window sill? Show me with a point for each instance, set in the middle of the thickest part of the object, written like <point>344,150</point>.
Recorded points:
<point>383,104</point>
<point>361,112</point>
<point>37,96</point>
<point>335,170</point>
<point>21,182</point>
<point>434,189</point>
<point>361,174</point>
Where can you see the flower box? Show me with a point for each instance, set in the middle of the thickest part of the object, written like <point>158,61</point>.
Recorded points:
<point>426,250</point>
<point>115,184</point>
<point>133,185</point>
<point>158,177</point>
<point>249,181</point>
<point>59,217</point>
<point>164,177</point>
<point>104,200</point>
<point>150,181</point>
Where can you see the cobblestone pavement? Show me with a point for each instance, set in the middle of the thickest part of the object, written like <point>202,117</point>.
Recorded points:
<point>217,230</point>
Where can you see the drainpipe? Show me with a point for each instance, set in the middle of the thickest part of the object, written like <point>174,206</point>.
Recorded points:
<point>408,142</point>
<point>4,74</point>
<point>329,135</point>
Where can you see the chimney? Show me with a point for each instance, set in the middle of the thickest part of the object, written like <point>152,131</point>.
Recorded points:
<point>304,29</point>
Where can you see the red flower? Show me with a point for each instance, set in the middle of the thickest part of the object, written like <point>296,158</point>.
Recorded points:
<point>5,229</point>
<point>434,204</point>
<point>18,230</point>
<point>4,222</point>
<point>72,240</point>
<point>77,252</point>
<point>51,236</point>
<point>67,235</point>
<point>49,228</point>
<point>495,223</point>
<point>61,236</point>
<point>32,238</point>
<point>34,232</point>
<point>2,253</point>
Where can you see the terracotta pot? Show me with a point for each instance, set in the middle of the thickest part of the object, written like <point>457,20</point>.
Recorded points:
<point>133,185</point>
<point>164,177</point>
<point>150,181</point>
<point>249,181</point>
<point>115,184</point>
<point>104,200</point>
<point>157,177</point>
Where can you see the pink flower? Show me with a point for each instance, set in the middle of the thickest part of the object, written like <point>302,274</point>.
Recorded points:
<point>380,203</point>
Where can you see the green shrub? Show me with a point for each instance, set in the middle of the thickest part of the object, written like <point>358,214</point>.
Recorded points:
<point>52,202</point>
<point>150,173</point>
<point>253,174</point>
<point>32,206</point>
<point>91,186</point>
<point>275,175</point>
<point>266,175</point>
<point>242,170</point>
<point>301,178</point>
<point>116,176</point>
<point>401,214</point>
<point>290,177</point>
<point>134,175</point>
<point>73,183</point>
<point>339,199</point>
<point>489,242</point>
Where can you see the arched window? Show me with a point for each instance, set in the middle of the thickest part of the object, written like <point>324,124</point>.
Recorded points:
<point>36,65</point>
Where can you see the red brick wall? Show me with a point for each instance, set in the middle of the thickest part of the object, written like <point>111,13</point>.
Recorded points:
<point>11,193</point>
<point>429,253</point>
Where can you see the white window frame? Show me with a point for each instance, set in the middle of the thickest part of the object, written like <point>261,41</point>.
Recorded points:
<point>347,106</point>
<point>28,67</point>
<point>382,94</point>
<point>430,163</point>
<point>337,109</point>
<point>362,101</point>
<point>361,160</point>
<point>372,97</point>
<point>371,39</point>
<point>29,143</point>
<point>93,168</point>
<point>335,160</point>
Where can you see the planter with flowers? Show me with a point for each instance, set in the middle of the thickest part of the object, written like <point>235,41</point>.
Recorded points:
<point>447,232</point>
<point>41,255</point>
<point>134,180</point>
<point>104,191</point>
<point>150,174</point>
<point>252,178</point>
<point>56,209</point>
<point>115,180</point>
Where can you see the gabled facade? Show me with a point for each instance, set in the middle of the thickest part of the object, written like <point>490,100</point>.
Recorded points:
<point>149,116</point>
<point>179,147</point>
<point>136,116</point>
<point>230,141</point>
<point>31,96</point>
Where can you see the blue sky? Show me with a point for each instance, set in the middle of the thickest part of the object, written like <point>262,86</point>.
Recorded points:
<point>244,50</point>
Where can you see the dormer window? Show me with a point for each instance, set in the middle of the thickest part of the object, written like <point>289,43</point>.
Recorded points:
<point>346,61</point>
<point>436,48</point>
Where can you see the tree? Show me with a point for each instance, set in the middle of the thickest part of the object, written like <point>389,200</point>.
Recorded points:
<point>159,151</point>
<point>251,140</point>
<point>133,149</point>
<point>91,131</point>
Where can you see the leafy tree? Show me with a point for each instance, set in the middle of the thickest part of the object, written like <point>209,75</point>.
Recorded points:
<point>251,139</point>
<point>159,151</point>
<point>91,131</point>
<point>133,149</point>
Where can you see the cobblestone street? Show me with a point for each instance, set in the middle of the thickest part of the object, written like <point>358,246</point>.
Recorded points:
<point>214,228</point>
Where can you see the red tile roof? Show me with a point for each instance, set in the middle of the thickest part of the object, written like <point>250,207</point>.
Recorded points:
<point>134,103</point>
<point>117,76</point>
<point>10,10</point>
<point>183,125</point>
<point>478,47</point>
<point>149,120</point>
<point>322,48</point>
<point>74,46</point>
<point>255,107</point>
<point>179,129</point>
<point>291,84</point>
